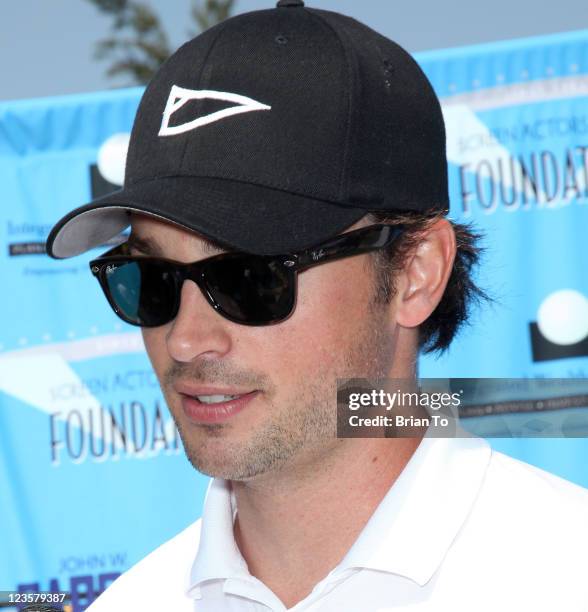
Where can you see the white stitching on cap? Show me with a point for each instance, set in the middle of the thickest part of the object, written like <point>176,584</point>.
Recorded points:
<point>178,96</point>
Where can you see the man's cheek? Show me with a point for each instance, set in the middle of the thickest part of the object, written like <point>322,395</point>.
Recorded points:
<point>154,340</point>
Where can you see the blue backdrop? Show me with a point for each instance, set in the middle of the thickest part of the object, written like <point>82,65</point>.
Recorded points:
<point>92,473</point>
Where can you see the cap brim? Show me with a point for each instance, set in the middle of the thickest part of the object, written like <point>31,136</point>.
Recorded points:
<point>241,216</point>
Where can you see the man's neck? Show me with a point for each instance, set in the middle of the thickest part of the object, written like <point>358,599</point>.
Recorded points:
<point>295,526</point>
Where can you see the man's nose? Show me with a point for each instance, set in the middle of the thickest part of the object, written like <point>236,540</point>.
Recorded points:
<point>198,330</point>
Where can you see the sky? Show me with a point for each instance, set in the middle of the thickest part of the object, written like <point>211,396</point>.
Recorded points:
<point>47,46</point>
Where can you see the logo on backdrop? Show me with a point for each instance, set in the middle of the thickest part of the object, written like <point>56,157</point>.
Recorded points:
<point>127,429</point>
<point>26,238</point>
<point>561,329</point>
<point>108,173</point>
<point>515,167</point>
<point>107,416</point>
<point>101,418</point>
<point>82,578</point>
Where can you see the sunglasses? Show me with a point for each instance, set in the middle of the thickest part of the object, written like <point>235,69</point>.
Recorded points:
<point>243,288</point>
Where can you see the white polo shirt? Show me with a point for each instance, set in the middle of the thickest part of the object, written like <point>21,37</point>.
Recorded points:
<point>463,529</point>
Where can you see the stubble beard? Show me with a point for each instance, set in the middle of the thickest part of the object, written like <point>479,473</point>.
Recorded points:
<point>303,429</point>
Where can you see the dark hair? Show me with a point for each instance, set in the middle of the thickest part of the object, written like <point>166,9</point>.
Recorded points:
<point>437,332</point>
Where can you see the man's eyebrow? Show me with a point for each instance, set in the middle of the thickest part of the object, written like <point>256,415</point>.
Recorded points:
<point>148,246</point>
<point>212,248</point>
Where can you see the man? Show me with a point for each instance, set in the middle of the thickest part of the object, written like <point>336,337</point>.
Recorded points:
<point>286,187</point>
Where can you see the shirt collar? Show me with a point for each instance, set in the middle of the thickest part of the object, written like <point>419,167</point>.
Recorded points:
<point>218,554</point>
<point>413,527</point>
<point>409,533</point>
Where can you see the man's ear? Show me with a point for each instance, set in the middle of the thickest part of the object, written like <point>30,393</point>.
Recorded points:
<point>421,283</point>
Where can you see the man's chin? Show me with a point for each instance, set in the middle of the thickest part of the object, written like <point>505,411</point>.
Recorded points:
<point>217,458</point>
<point>223,468</point>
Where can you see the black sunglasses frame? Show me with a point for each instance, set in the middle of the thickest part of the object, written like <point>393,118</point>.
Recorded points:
<point>357,242</point>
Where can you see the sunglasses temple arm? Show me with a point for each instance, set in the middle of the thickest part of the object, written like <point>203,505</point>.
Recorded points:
<point>346,245</point>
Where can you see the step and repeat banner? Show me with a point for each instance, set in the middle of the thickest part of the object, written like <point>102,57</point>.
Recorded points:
<point>517,144</point>
<point>92,472</point>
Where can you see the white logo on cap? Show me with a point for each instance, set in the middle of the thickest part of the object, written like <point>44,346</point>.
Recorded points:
<point>178,96</point>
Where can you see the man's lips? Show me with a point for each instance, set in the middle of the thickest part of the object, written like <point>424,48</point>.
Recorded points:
<point>217,411</point>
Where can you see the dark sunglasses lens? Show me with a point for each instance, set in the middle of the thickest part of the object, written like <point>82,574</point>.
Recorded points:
<point>144,292</point>
<point>253,290</point>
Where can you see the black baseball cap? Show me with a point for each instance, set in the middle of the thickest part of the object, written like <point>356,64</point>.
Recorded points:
<point>272,131</point>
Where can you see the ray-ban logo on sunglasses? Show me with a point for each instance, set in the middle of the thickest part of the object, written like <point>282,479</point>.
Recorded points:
<point>316,255</point>
<point>179,96</point>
